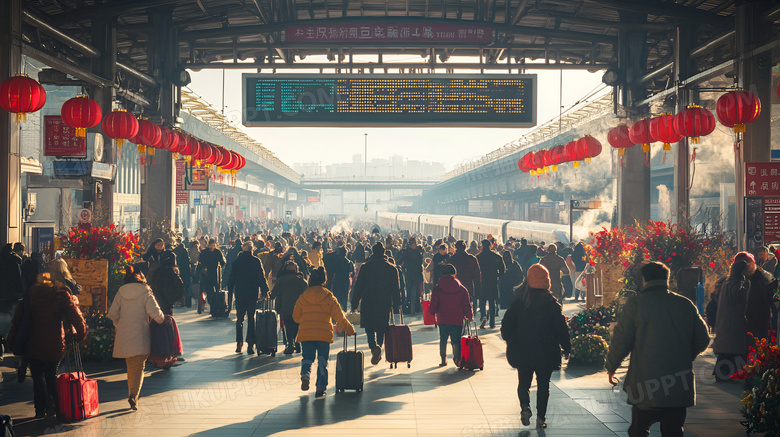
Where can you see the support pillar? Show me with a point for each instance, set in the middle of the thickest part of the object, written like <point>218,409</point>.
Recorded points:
<point>104,38</point>
<point>634,179</point>
<point>10,64</point>
<point>754,74</point>
<point>682,166</point>
<point>158,194</point>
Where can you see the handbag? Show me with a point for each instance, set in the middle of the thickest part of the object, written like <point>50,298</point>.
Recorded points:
<point>23,333</point>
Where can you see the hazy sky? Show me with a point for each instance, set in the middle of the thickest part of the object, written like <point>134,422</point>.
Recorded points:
<point>450,146</point>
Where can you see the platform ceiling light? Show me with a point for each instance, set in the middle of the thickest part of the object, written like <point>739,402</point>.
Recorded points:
<point>180,76</point>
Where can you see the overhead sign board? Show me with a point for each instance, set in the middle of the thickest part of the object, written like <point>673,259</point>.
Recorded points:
<point>103,171</point>
<point>429,100</point>
<point>61,139</point>
<point>762,178</point>
<point>390,33</point>
<point>771,220</point>
<point>585,204</point>
<point>64,169</point>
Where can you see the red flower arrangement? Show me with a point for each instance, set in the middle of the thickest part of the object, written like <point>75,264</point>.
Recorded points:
<point>101,243</point>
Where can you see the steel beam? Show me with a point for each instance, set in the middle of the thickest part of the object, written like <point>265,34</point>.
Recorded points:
<point>416,65</point>
<point>664,9</point>
<point>50,30</point>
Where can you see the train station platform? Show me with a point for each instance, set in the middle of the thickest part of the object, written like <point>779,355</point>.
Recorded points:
<point>221,393</point>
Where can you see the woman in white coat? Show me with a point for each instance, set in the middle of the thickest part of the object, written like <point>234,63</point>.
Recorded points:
<point>133,305</point>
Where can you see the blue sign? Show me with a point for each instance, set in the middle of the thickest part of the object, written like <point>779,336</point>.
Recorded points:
<point>196,201</point>
<point>71,168</point>
<point>288,212</point>
<point>774,155</point>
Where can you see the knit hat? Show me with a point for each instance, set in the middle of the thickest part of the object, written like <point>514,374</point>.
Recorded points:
<point>448,269</point>
<point>744,256</point>
<point>538,277</point>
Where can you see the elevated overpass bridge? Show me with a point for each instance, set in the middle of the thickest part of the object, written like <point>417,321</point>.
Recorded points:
<point>370,184</point>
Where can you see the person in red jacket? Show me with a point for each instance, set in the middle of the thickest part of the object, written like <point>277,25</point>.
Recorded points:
<point>450,303</point>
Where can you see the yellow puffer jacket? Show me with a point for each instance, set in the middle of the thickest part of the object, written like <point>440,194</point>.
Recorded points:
<point>314,311</point>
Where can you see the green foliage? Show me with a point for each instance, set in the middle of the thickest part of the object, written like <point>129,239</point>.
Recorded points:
<point>589,350</point>
<point>99,344</point>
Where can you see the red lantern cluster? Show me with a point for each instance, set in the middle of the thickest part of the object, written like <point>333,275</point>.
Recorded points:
<point>620,139</point>
<point>120,125</point>
<point>21,95</point>
<point>544,160</point>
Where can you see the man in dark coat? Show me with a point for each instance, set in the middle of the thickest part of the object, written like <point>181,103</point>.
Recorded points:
<point>377,291</point>
<point>210,265</point>
<point>535,332</point>
<point>183,261</point>
<point>246,279</point>
<point>288,288</point>
<point>230,256</point>
<point>440,259</point>
<point>341,273</point>
<point>412,263</point>
<point>660,382</point>
<point>166,284</point>
<point>491,265</point>
<point>731,339</point>
<point>467,267</point>
<point>759,299</point>
<point>557,267</point>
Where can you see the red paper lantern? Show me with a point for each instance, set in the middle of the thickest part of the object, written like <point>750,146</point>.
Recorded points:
<point>735,109</point>
<point>181,143</point>
<point>21,95</point>
<point>556,156</point>
<point>149,137</point>
<point>539,160</point>
<point>639,133</point>
<point>618,138</point>
<point>204,153</point>
<point>189,145</point>
<point>571,154</point>
<point>694,122</point>
<point>242,162</point>
<point>169,140</point>
<point>662,129</point>
<point>120,125</point>
<point>81,113</point>
<point>588,147</point>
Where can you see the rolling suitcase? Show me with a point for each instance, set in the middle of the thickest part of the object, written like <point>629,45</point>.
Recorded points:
<point>219,308</point>
<point>471,349</point>
<point>398,343</point>
<point>77,394</point>
<point>6,426</point>
<point>266,334</point>
<point>428,318</point>
<point>349,369</point>
<point>165,343</point>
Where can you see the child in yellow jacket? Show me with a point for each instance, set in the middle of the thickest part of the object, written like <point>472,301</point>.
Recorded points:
<point>314,310</point>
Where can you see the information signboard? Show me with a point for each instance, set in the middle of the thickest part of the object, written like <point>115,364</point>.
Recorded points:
<point>390,33</point>
<point>762,178</point>
<point>462,100</point>
<point>61,139</point>
<point>182,196</point>
<point>771,220</point>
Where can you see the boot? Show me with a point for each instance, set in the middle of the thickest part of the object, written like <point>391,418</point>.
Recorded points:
<point>540,423</point>
<point>525,415</point>
<point>320,392</point>
<point>250,350</point>
<point>482,325</point>
<point>376,355</point>
<point>304,384</point>
<point>133,401</point>
<point>239,347</point>
<point>443,362</point>
<point>289,350</point>
<point>297,348</point>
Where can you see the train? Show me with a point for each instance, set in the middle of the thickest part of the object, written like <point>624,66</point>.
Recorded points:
<point>468,228</point>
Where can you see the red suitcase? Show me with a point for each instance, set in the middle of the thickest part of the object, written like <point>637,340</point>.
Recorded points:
<point>77,394</point>
<point>165,343</point>
<point>398,343</point>
<point>471,349</point>
<point>428,318</point>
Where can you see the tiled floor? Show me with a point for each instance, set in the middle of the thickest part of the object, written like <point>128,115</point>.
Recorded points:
<point>219,392</point>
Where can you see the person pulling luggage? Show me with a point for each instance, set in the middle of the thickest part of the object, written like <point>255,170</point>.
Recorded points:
<point>288,288</point>
<point>315,311</point>
<point>450,303</point>
<point>246,278</point>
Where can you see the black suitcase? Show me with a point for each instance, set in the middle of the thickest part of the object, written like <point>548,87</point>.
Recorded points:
<point>218,304</point>
<point>349,369</point>
<point>266,329</point>
<point>6,426</point>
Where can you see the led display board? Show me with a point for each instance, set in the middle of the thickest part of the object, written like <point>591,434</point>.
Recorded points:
<point>385,100</point>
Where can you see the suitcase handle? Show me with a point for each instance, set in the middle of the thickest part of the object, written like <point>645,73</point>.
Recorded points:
<point>468,327</point>
<point>392,316</point>
<point>346,347</point>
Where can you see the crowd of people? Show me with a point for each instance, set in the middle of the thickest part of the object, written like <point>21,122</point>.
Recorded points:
<point>314,277</point>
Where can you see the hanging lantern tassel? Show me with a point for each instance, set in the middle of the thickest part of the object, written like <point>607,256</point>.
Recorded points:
<point>150,151</point>
<point>576,164</point>
<point>141,149</point>
<point>693,155</point>
<point>143,159</point>
<point>646,147</point>
<point>554,167</point>
<point>739,128</point>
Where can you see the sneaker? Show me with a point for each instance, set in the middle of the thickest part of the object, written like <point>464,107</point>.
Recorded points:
<point>320,392</point>
<point>288,350</point>
<point>525,416</point>
<point>297,348</point>
<point>250,351</point>
<point>376,355</point>
<point>443,362</point>
<point>239,347</point>
<point>540,424</point>
<point>304,384</point>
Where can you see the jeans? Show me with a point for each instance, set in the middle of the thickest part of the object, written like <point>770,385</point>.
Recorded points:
<point>491,314</point>
<point>247,311</point>
<point>414,289</point>
<point>452,333</point>
<point>525,376</point>
<point>375,338</point>
<point>135,375</point>
<point>44,375</point>
<point>322,350</point>
<point>290,331</point>
<point>672,421</point>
